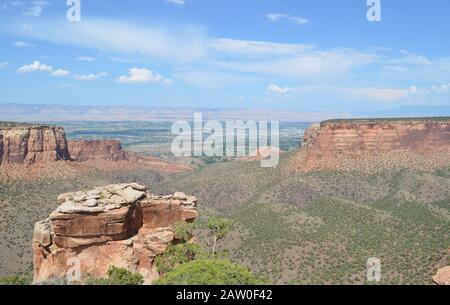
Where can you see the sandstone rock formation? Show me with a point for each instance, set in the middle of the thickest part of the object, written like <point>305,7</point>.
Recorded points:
<point>109,150</point>
<point>340,144</point>
<point>359,136</point>
<point>29,144</point>
<point>95,151</point>
<point>121,225</point>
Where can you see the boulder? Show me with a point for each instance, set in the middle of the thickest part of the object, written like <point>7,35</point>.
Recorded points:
<point>442,276</point>
<point>118,225</point>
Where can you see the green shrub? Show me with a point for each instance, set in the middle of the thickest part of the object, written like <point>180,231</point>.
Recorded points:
<point>176,255</point>
<point>118,276</point>
<point>16,280</point>
<point>182,230</point>
<point>209,272</point>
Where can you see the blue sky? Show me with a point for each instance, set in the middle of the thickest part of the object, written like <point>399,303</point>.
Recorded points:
<point>306,55</point>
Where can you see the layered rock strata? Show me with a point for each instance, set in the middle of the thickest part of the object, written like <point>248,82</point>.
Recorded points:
<point>371,145</point>
<point>117,225</point>
<point>29,144</point>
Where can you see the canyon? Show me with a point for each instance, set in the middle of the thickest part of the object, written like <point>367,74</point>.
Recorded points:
<point>376,143</point>
<point>119,225</point>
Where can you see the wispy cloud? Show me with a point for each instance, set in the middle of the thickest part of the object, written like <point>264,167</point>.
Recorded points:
<point>35,10</point>
<point>278,89</point>
<point>142,75</point>
<point>85,58</point>
<point>3,64</point>
<point>60,73</point>
<point>89,77</point>
<point>23,44</point>
<point>177,2</point>
<point>286,17</point>
<point>122,37</point>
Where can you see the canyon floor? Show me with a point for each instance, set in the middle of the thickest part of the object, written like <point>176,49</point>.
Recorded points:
<point>292,228</point>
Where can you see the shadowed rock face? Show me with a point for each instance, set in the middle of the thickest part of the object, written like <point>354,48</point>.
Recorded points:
<point>121,225</point>
<point>29,144</point>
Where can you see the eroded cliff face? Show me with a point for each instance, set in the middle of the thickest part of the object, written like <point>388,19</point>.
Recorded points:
<point>26,144</point>
<point>353,144</point>
<point>108,150</point>
<point>95,151</point>
<point>117,225</point>
<point>358,137</point>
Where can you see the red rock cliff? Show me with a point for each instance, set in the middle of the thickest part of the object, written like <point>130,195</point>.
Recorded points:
<point>28,144</point>
<point>360,136</point>
<point>111,150</point>
<point>339,143</point>
<point>116,225</point>
<point>108,150</point>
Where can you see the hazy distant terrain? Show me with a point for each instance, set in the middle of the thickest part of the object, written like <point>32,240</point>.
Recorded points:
<point>60,113</point>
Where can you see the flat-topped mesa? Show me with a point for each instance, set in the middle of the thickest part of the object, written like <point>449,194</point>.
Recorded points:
<point>121,225</point>
<point>29,144</point>
<point>339,143</point>
<point>112,151</point>
<point>360,136</point>
<point>108,150</point>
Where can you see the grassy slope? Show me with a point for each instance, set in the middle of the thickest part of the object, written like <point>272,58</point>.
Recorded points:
<point>292,228</point>
<point>322,227</point>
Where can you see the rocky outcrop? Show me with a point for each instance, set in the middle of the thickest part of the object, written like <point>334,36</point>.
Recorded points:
<point>121,225</point>
<point>361,136</point>
<point>108,150</point>
<point>29,144</point>
<point>95,151</point>
<point>338,144</point>
<point>442,276</point>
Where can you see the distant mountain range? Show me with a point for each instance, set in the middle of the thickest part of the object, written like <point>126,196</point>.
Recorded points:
<point>62,113</point>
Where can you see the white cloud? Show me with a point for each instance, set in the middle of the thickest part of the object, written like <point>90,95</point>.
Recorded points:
<point>141,75</point>
<point>255,48</point>
<point>36,66</point>
<point>381,94</point>
<point>286,17</point>
<point>441,88</point>
<point>85,58</point>
<point>3,64</point>
<point>211,80</point>
<point>277,89</point>
<point>60,73</point>
<point>177,2</point>
<point>123,37</point>
<point>89,77</point>
<point>35,10</point>
<point>311,65</point>
<point>22,44</point>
